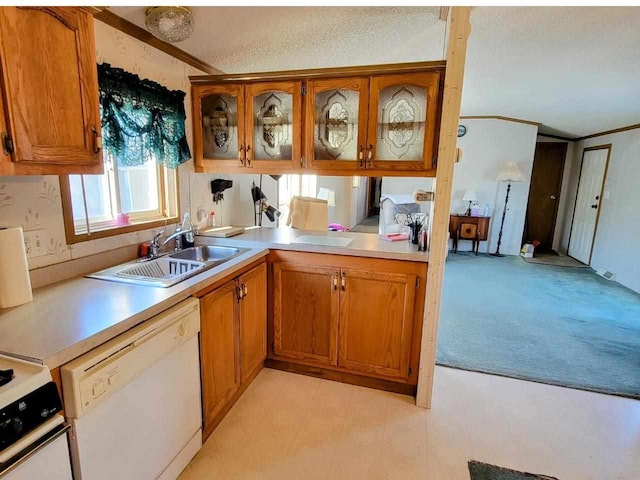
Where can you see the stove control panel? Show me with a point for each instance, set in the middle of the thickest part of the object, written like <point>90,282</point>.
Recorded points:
<point>27,413</point>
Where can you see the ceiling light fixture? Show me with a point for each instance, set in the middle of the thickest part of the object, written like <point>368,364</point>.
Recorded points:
<point>170,24</point>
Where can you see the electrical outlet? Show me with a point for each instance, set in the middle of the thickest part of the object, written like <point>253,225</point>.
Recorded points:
<point>35,243</point>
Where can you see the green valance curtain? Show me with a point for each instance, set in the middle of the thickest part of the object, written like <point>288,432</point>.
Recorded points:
<point>141,120</point>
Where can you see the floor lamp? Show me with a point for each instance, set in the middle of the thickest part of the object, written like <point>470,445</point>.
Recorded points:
<point>510,173</point>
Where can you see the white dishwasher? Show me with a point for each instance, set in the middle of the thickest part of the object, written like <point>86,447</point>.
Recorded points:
<point>134,402</point>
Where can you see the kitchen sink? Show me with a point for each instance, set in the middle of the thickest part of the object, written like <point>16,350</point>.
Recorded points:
<point>169,269</point>
<point>206,253</point>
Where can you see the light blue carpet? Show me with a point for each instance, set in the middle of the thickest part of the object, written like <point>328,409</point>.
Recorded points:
<point>557,325</point>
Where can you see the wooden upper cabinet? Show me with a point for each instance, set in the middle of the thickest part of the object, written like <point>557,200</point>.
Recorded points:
<point>336,123</point>
<point>404,112</point>
<point>305,312</point>
<point>376,322</point>
<point>375,121</point>
<point>253,319</point>
<point>273,123</point>
<point>218,125</point>
<point>219,350</point>
<point>50,89</point>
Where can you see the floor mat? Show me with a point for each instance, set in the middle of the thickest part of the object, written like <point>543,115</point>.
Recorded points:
<point>549,324</point>
<point>368,225</point>
<point>557,260</point>
<point>485,471</point>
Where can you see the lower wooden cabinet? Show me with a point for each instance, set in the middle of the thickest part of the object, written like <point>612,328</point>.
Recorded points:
<point>376,316</point>
<point>352,315</point>
<point>219,349</point>
<point>253,320</point>
<point>233,341</point>
<point>305,305</point>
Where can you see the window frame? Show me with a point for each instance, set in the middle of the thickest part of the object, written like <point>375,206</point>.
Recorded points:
<point>138,222</point>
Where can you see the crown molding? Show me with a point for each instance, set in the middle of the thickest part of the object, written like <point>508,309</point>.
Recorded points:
<point>557,137</point>
<point>498,117</point>
<point>609,132</point>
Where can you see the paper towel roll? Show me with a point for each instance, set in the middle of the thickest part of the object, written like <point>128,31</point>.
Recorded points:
<point>15,284</point>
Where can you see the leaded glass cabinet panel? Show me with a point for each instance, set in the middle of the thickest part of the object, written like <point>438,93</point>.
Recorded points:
<point>402,120</point>
<point>219,125</point>
<point>336,119</point>
<point>273,124</point>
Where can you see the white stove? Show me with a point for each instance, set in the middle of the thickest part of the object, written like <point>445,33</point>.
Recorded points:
<point>33,436</point>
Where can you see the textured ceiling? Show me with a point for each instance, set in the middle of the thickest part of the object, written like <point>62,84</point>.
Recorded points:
<point>576,70</point>
<point>254,39</point>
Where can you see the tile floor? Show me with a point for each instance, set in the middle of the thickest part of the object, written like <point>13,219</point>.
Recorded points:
<point>289,426</point>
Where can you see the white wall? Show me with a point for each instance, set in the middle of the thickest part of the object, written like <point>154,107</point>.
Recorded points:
<point>406,185</point>
<point>237,206</point>
<point>341,213</point>
<point>488,145</point>
<point>618,236</point>
<point>565,192</point>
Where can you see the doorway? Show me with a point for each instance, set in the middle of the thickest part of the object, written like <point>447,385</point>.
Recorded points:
<point>544,193</point>
<point>373,196</point>
<point>593,173</point>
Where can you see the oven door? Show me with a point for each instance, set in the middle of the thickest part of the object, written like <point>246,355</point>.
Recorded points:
<point>48,458</point>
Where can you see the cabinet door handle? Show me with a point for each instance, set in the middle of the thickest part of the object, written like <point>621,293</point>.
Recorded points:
<point>361,156</point>
<point>248,155</point>
<point>245,290</point>
<point>239,292</point>
<point>343,282</point>
<point>241,155</point>
<point>370,156</point>
<point>97,140</point>
<point>335,281</point>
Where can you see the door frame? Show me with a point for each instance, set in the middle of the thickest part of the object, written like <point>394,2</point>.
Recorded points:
<point>557,203</point>
<point>604,146</point>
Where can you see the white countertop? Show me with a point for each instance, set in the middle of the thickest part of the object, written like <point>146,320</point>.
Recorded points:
<point>361,245</point>
<point>67,319</point>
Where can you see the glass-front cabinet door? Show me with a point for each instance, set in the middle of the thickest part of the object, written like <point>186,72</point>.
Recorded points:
<point>402,133</point>
<point>336,123</point>
<point>218,112</point>
<point>273,125</point>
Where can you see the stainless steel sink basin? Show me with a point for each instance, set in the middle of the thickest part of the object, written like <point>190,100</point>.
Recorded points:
<point>206,253</point>
<point>169,269</point>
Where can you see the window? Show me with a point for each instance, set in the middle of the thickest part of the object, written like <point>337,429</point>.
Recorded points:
<point>293,186</point>
<point>144,142</point>
<point>145,193</point>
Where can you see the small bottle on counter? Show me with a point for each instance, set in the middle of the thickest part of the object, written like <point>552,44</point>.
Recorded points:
<point>212,219</point>
<point>188,239</point>
<point>422,240</point>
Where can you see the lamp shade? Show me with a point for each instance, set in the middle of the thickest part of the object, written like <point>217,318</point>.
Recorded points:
<point>470,196</point>
<point>510,173</point>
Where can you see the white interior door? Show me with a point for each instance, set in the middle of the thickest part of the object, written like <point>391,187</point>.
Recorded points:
<point>594,164</point>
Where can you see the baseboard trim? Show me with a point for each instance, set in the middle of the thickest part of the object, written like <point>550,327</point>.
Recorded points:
<point>353,379</point>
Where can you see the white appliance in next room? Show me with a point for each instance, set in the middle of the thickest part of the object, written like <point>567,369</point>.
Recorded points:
<point>134,402</point>
<point>33,436</point>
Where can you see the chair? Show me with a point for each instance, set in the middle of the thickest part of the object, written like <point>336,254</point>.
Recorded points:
<point>308,213</point>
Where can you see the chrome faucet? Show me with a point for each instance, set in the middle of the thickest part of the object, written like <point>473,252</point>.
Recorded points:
<point>156,244</point>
